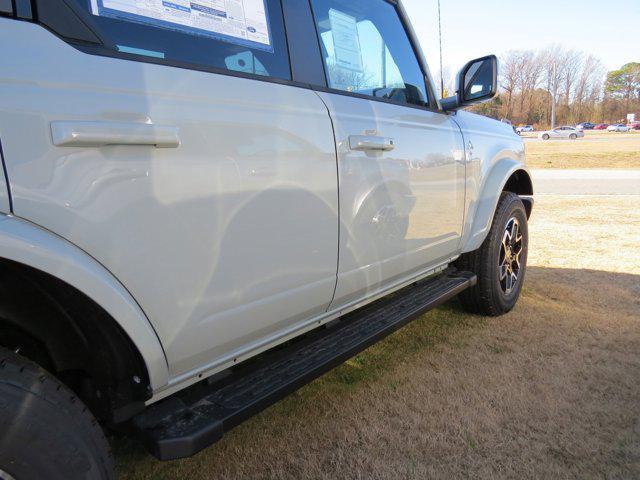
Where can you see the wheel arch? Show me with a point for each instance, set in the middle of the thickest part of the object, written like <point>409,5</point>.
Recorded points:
<point>92,323</point>
<point>507,175</point>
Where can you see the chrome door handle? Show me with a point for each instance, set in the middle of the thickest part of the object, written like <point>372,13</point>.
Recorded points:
<point>100,134</point>
<point>371,143</point>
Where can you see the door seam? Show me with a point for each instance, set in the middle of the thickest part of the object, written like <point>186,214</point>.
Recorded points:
<point>335,150</point>
<point>6,178</point>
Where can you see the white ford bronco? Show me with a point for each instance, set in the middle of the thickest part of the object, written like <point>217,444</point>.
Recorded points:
<point>206,204</point>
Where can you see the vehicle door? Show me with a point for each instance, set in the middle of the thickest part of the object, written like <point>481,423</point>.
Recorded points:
<point>401,161</point>
<point>171,145</point>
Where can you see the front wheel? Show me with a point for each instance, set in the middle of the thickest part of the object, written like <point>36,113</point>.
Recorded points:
<point>573,136</point>
<point>545,137</point>
<point>500,263</point>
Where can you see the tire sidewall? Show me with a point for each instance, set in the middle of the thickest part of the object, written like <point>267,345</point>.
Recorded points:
<point>514,208</point>
<point>45,430</point>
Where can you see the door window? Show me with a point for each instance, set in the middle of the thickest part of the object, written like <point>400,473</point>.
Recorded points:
<point>241,35</point>
<point>367,51</point>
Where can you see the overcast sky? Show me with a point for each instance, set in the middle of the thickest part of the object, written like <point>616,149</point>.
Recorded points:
<point>471,28</point>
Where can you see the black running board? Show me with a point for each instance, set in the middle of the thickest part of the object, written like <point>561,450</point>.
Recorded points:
<point>197,417</point>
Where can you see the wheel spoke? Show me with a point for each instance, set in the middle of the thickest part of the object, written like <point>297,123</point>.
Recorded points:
<point>503,272</point>
<point>509,284</point>
<point>506,240</point>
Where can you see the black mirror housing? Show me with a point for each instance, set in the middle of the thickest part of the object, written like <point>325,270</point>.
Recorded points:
<point>477,82</point>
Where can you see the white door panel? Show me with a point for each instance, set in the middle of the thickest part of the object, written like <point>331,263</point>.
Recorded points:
<point>401,209</point>
<point>225,241</point>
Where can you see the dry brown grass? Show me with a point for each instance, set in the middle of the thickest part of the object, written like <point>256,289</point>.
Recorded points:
<point>596,150</point>
<point>552,390</point>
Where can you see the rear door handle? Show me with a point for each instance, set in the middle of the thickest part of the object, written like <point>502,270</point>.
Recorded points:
<point>371,143</point>
<point>100,134</point>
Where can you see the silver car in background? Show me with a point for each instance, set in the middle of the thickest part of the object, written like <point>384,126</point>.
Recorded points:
<point>525,129</point>
<point>619,127</point>
<point>570,133</point>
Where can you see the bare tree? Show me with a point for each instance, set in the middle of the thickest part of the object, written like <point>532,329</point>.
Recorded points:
<point>557,85</point>
<point>511,64</point>
<point>588,87</point>
<point>448,80</point>
<point>553,75</point>
<point>531,75</point>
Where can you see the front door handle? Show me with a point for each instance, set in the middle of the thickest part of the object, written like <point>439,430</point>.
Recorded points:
<point>100,134</point>
<point>371,143</point>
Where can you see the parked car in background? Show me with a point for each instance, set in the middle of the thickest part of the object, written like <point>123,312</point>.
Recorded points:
<point>601,126</point>
<point>634,125</point>
<point>585,126</point>
<point>619,127</point>
<point>566,132</point>
<point>525,129</point>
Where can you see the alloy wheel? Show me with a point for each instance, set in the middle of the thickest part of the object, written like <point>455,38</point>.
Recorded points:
<point>510,252</point>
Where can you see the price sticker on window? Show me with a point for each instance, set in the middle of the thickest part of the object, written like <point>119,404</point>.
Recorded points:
<point>245,22</point>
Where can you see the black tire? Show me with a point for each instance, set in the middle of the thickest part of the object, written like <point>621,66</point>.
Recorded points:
<point>489,297</point>
<point>545,137</point>
<point>573,136</point>
<point>45,430</point>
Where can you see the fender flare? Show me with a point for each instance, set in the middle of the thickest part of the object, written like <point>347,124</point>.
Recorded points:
<point>488,198</point>
<point>26,243</point>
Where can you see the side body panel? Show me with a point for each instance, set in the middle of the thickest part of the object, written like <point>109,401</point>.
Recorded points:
<point>401,211</point>
<point>494,152</point>
<point>227,241</point>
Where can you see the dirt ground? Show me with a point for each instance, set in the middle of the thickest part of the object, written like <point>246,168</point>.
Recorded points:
<point>595,150</point>
<point>552,390</point>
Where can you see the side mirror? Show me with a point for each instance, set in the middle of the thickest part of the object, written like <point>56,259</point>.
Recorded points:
<point>477,82</point>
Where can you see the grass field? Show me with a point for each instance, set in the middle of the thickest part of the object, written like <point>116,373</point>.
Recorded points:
<point>552,390</point>
<point>596,150</point>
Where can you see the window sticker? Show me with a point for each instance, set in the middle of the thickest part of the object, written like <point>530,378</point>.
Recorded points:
<point>346,41</point>
<point>243,22</point>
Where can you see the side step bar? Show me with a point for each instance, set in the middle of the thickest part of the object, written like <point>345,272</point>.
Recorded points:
<point>191,420</point>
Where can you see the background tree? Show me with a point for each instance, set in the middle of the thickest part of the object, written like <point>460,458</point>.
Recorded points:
<point>532,82</point>
<point>624,83</point>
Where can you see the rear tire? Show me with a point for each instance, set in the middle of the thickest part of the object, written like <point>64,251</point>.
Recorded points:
<point>500,263</point>
<point>45,430</point>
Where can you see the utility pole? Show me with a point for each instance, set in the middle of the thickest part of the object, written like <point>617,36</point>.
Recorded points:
<point>384,63</point>
<point>554,93</point>
<point>440,34</point>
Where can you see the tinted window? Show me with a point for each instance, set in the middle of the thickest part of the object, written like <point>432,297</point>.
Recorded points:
<point>367,50</point>
<point>211,33</point>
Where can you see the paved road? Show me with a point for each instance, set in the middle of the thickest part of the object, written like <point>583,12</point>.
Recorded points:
<point>586,182</point>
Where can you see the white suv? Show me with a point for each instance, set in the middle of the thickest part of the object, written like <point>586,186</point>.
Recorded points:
<point>206,205</point>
